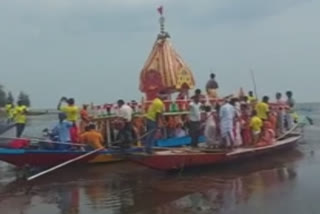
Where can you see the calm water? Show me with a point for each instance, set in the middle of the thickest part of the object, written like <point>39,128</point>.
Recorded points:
<point>283,183</point>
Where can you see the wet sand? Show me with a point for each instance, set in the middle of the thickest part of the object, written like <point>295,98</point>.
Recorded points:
<point>281,183</point>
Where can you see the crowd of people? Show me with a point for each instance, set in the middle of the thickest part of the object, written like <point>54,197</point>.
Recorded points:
<point>227,123</point>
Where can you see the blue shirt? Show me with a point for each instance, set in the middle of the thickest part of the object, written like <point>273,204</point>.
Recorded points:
<point>62,130</point>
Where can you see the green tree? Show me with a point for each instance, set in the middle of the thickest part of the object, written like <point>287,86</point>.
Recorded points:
<point>24,98</point>
<point>10,98</point>
<point>3,97</point>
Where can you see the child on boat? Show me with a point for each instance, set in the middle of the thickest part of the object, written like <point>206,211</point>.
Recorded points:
<point>255,125</point>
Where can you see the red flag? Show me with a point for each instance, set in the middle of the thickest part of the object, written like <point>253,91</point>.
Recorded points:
<point>160,10</point>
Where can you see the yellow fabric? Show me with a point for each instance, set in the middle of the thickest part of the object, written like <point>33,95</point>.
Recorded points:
<point>92,138</point>
<point>20,114</point>
<point>262,110</point>
<point>251,99</point>
<point>157,106</point>
<point>9,110</point>
<point>256,124</point>
<point>72,112</point>
<point>212,93</point>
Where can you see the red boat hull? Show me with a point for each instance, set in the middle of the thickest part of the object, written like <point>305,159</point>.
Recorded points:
<point>42,160</point>
<point>175,161</point>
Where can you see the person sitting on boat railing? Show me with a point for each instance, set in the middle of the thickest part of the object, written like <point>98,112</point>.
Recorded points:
<point>125,115</point>
<point>61,131</point>
<point>92,138</point>
<point>71,110</point>
<point>227,115</point>
<point>212,87</point>
<point>154,118</point>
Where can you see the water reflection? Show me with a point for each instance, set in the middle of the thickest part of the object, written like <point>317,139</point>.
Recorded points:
<point>225,197</point>
<point>128,188</point>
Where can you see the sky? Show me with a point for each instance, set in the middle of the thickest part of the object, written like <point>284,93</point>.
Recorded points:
<point>93,50</point>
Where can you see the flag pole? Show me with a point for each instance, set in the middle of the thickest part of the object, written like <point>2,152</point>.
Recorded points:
<point>254,83</point>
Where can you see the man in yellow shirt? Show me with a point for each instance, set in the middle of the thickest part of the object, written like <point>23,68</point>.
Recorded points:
<point>262,108</point>
<point>71,110</point>
<point>20,118</point>
<point>154,116</point>
<point>256,126</point>
<point>9,111</point>
<point>251,97</point>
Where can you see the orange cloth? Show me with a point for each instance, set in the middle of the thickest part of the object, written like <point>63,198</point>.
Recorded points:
<point>84,115</point>
<point>273,121</point>
<point>92,138</point>
<point>268,135</point>
<point>84,119</point>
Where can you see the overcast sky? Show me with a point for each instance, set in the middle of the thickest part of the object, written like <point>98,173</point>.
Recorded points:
<point>93,50</point>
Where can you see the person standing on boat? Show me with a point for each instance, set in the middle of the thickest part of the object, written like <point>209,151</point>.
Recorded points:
<point>212,87</point>
<point>125,115</point>
<point>227,115</point>
<point>71,110</point>
<point>210,130</point>
<point>20,117</point>
<point>291,115</point>
<point>85,119</point>
<point>61,131</point>
<point>195,120</point>
<point>251,97</point>
<point>154,117</point>
<point>9,111</point>
<point>262,108</point>
<point>279,100</point>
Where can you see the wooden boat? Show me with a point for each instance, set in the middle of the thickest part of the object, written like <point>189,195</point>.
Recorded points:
<point>179,158</point>
<point>47,158</point>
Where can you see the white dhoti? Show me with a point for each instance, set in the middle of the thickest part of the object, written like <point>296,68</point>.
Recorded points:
<point>210,132</point>
<point>226,128</point>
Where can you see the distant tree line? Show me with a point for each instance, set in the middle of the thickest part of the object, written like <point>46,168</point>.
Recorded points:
<point>7,97</point>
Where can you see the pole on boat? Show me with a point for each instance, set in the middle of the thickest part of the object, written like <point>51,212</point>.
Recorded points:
<point>254,83</point>
<point>64,164</point>
<point>75,159</point>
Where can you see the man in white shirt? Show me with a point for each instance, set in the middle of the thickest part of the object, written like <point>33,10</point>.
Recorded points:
<point>125,116</point>
<point>195,120</point>
<point>227,115</point>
